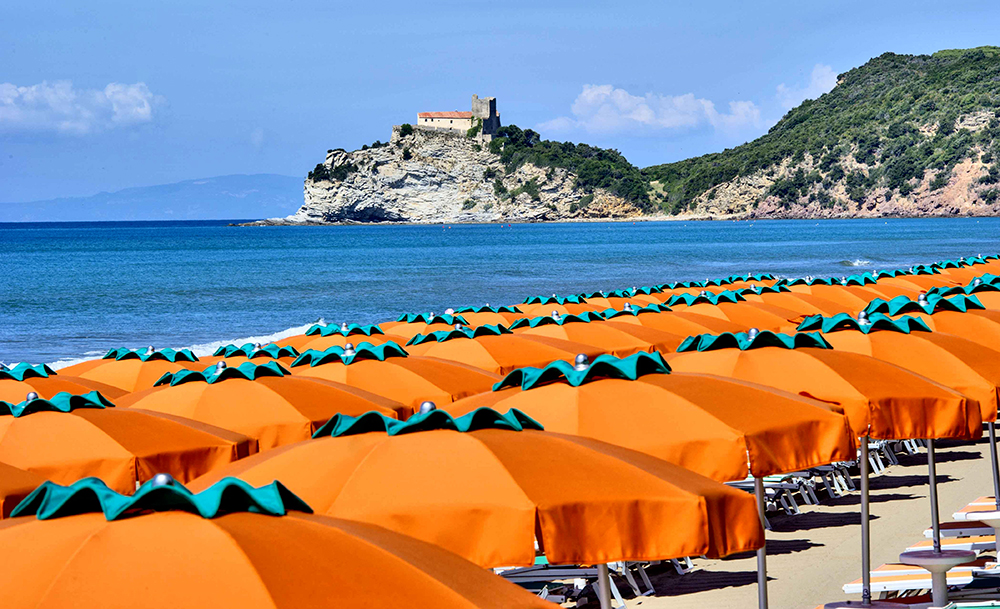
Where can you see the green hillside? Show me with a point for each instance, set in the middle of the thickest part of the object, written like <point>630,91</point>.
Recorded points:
<point>880,129</point>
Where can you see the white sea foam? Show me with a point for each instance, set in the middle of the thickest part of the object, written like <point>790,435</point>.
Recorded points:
<point>201,350</point>
<point>856,262</point>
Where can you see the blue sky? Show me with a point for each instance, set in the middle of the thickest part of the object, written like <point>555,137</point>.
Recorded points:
<point>105,95</point>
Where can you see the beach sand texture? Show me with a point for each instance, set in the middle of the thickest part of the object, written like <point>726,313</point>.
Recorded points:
<point>812,555</point>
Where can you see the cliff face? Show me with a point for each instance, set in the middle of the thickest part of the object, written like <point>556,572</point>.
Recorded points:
<point>438,177</point>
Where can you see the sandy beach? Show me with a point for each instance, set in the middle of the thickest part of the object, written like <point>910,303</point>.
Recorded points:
<point>812,555</point>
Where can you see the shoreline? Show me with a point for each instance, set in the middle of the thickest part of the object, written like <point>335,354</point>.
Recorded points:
<point>634,219</point>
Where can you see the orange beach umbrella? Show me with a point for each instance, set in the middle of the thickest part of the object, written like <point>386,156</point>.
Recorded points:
<point>387,371</point>
<point>20,380</point>
<point>881,400</point>
<point>488,492</point>
<point>498,354</point>
<point>262,402</point>
<point>711,425</point>
<point>167,557</point>
<point>70,437</point>
<point>132,370</point>
<point>965,366</point>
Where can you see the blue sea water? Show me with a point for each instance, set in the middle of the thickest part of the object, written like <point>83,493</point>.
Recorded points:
<point>70,291</point>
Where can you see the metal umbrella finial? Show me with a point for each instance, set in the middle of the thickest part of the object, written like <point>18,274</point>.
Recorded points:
<point>582,362</point>
<point>922,299</point>
<point>459,327</point>
<point>219,367</point>
<point>31,396</point>
<point>349,349</point>
<point>161,480</point>
<point>752,333</point>
<point>426,407</point>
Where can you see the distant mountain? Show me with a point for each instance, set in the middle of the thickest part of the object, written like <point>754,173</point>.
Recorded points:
<point>219,198</point>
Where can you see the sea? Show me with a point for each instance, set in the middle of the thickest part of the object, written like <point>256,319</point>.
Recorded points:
<point>72,291</point>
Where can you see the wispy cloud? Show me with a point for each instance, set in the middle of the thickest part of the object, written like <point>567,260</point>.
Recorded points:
<point>823,79</point>
<point>59,107</point>
<point>605,109</point>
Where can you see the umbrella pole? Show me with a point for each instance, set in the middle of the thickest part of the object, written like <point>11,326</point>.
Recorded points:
<point>604,586</point>
<point>866,558</point>
<point>932,472</point>
<point>758,491</point>
<point>991,426</point>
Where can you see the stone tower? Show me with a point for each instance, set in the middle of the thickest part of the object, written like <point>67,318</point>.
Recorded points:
<point>486,109</point>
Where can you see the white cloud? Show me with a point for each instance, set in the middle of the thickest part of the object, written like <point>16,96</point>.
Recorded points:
<point>823,79</point>
<point>60,108</point>
<point>605,109</point>
<point>257,138</point>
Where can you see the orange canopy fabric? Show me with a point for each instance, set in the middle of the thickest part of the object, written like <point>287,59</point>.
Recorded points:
<point>16,391</point>
<point>177,560</point>
<point>976,325</point>
<point>488,494</point>
<point>916,283</point>
<point>569,308</point>
<point>271,410</point>
<point>618,302</point>
<point>496,354</point>
<point>127,374</point>
<point>801,304</point>
<point>401,332</point>
<point>303,343</point>
<point>117,445</point>
<point>680,322</point>
<point>880,399</point>
<point>407,380</point>
<point>490,318</point>
<point>708,424</point>
<point>609,338</point>
<point>955,362</point>
<point>15,485</point>
<point>851,298</point>
<point>748,315</point>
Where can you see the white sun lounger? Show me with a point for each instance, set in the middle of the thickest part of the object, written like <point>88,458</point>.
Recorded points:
<point>979,543</point>
<point>901,578</point>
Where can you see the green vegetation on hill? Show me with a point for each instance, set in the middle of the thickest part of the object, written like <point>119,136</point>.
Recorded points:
<point>594,167</point>
<point>884,125</point>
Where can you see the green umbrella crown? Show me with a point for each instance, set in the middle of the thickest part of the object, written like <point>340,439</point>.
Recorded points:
<point>430,318</point>
<point>161,494</point>
<point>764,289</point>
<point>871,323</point>
<point>376,422</point>
<point>362,351</point>
<point>343,330</point>
<point>603,367</point>
<point>487,309</point>
<point>445,335</point>
<point>253,352</point>
<point>707,297</point>
<point>571,299</point>
<point>744,341</point>
<point>169,355</point>
<point>932,303</point>
<point>23,371</point>
<point>548,320</point>
<point>60,402</point>
<point>247,371</point>
<point>633,311</point>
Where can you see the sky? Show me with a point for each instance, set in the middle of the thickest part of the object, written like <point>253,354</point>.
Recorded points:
<point>103,95</point>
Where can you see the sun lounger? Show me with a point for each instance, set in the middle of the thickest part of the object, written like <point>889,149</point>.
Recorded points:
<point>981,504</point>
<point>978,543</point>
<point>897,578</point>
<point>542,575</point>
<point>965,528</point>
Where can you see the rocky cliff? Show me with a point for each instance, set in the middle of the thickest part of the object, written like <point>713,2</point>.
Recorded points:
<point>425,176</point>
